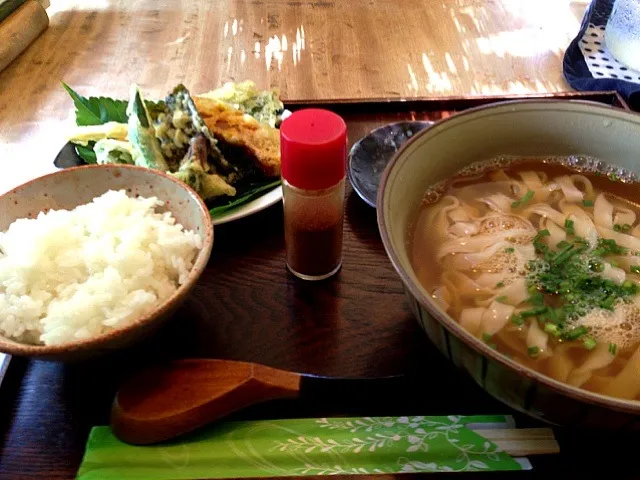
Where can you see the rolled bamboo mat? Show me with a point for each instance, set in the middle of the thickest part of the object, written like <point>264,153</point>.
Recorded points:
<point>20,27</point>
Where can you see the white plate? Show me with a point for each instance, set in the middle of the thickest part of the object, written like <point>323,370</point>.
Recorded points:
<point>270,198</point>
<point>67,157</point>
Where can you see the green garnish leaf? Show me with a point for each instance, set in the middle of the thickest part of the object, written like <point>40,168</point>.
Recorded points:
<point>533,351</point>
<point>613,349</point>
<point>525,199</point>
<point>100,110</point>
<point>252,192</point>
<point>569,227</point>
<point>97,110</point>
<point>87,153</point>
<point>587,203</point>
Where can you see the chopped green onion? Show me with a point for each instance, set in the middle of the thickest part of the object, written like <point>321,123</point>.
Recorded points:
<point>565,286</point>
<point>608,303</point>
<point>499,284</point>
<point>552,315</point>
<point>576,333</point>
<point>533,351</point>
<point>525,199</point>
<point>563,255</point>
<point>587,203</point>
<point>486,337</point>
<point>609,246</point>
<point>542,233</point>
<point>509,250</point>
<point>517,319</point>
<point>568,226</point>
<point>622,228</point>
<point>502,299</point>
<point>539,246</point>
<point>589,343</point>
<point>613,348</point>
<point>596,266</point>
<point>551,329</point>
<point>562,244</point>
<point>537,299</point>
<point>534,312</point>
<point>635,269</point>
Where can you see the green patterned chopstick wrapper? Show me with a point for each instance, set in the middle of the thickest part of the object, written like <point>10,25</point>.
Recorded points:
<point>301,447</point>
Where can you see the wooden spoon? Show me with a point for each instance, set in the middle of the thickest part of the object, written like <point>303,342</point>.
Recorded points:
<point>165,401</point>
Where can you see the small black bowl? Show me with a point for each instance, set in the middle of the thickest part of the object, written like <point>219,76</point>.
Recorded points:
<point>369,156</point>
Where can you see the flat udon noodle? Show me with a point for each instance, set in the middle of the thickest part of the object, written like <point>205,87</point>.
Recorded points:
<point>626,384</point>
<point>600,357</point>
<point>470,254</point>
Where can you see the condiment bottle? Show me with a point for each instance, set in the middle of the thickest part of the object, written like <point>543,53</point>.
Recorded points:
<point>313,163</point>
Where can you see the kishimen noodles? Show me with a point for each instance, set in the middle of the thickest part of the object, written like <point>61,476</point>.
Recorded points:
<point>542,262</point>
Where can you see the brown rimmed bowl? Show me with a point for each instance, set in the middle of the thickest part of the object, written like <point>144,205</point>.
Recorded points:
<point>66,189</point>
<point>519,127</point>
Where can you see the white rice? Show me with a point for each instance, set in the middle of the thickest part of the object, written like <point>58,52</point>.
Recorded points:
<point>74,274</point>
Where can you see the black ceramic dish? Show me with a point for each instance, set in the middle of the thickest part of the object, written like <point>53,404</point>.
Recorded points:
<point>370,155</point>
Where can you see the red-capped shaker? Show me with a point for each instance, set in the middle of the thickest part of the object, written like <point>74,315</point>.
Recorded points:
<point>313,147</point>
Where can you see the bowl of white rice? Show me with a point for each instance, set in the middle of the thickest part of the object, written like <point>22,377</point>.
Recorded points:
<point>94,258</point>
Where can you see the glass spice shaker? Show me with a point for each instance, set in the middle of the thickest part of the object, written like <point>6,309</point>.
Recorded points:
<point>313,145</point>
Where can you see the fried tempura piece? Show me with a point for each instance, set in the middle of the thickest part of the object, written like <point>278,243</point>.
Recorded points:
<point>259,142</point>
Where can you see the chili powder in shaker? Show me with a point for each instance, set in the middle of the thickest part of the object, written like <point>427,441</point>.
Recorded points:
<point>313,147</point>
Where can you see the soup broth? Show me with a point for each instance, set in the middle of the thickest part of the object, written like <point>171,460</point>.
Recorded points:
<point>540,259</point>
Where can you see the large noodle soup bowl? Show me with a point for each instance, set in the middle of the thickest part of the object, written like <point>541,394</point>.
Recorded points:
<point>522,128</point>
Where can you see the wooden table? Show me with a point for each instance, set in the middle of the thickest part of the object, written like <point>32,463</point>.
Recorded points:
<point>250,308</point>
<point>310,49</point>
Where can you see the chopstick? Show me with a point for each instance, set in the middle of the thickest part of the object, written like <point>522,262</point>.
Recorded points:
<point>521,442</point>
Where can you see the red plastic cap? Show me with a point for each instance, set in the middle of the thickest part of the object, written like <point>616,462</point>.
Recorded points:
<point>313,149</point>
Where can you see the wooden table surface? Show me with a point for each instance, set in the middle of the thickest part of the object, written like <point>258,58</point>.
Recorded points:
<point>248,307</point>
<point>310,49</point>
